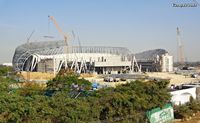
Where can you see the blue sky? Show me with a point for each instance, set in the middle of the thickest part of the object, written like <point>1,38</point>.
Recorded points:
<point>136,24</point>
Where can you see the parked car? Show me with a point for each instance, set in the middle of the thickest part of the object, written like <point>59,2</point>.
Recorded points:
<point>123,79</point>
<point>116,79</point>
<point>195,75</point>
<point>108,79</point>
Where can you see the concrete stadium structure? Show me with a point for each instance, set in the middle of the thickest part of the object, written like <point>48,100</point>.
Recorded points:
<point>51,56</point>
<point>157,60</point>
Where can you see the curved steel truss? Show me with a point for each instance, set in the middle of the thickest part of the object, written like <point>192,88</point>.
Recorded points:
<point>26,55</point>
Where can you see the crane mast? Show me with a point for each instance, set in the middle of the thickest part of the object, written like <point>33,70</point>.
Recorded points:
<point>180,48</point>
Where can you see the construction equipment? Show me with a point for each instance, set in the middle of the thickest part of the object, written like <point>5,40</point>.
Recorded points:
<point>180,52</point>
<point>59,29</point>
<point>65,39</point>
<point>79,42</point>
<point>47,36</point>
<point>30,36</point>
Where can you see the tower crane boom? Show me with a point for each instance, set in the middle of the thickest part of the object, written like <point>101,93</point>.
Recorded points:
<point>58,28</point>
<point>65,48</point>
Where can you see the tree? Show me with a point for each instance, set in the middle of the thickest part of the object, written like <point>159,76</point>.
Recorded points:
<point>67,81</point>
<point>4,70</point>
<point>69,98</point>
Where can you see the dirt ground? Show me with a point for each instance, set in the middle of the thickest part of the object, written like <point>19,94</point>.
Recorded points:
<point>36,75</point>
<point>174,78</point>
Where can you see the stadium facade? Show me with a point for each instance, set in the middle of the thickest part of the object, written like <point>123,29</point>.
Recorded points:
<point>51,56</point>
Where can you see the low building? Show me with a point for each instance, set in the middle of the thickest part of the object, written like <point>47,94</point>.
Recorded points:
<point>7,64</point>
<point>183,96</point>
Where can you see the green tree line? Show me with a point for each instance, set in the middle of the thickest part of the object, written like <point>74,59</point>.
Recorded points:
<point>69,99</point>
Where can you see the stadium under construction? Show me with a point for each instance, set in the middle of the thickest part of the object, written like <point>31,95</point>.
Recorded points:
<point>52,56</point>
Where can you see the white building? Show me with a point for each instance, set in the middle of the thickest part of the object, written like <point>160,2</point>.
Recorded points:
<point>7,64</point>
<point>180,97</point>
<point>167,63</point>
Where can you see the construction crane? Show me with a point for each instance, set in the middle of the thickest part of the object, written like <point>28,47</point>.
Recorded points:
<point>65,39</point>
<point>180,52</point>
<point>79,42</point>
<point>58,28</point>
<point>28,39</point>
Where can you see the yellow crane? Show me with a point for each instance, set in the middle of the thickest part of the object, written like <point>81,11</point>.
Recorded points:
<point>59,29</point>
<point>64,36</point>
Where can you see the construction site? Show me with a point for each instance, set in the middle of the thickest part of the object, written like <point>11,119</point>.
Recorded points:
<point>38,63</point>
<point>104,66</point>
<point>42,61</point>
<point>52,56</point>
<point>102,61</point>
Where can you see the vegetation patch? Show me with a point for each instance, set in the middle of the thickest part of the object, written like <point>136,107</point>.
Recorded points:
<point>70,99</point>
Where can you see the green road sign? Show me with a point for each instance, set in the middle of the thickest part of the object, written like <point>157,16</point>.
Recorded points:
<point>164,115</point>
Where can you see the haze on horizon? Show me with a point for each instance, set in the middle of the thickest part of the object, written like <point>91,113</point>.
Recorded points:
<point>138,25</point>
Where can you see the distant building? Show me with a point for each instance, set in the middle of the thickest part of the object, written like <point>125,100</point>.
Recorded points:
<point>157,60</point>
<point>7,64</point>
<point>167,63</point>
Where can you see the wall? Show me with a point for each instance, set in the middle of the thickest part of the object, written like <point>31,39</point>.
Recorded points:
<point>85,56</point>
<point>45,65</point>
<point>183,96</point>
